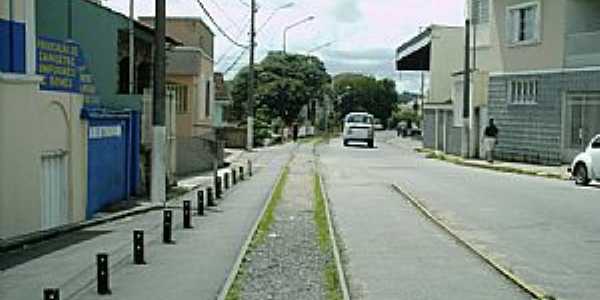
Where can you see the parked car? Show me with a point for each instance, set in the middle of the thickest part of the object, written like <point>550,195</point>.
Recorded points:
<point>359,127</point>
<point>586,166</point>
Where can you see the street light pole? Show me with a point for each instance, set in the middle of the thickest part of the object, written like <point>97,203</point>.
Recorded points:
<point>285,30</point>
<point>131,49</point>
<point>159,139</point>
<point>250,122</point>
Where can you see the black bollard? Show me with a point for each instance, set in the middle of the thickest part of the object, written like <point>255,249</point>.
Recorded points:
<point>187,214</point>
<point>138,247</point>
<point>167,222</point>
<point>233,176</point>
<point>226,180</point>
<point>241,173</point>
<point>51,294</point>
<point>200,204</point>
<point>103,287</point>
<point>210,200</point>
<point>250,168</point>
<point>218,187</point>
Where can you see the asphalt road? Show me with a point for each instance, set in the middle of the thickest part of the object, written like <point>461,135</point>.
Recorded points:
<point>544,230</point>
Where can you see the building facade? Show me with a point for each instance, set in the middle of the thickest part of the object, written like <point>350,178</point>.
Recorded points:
<point>44,141</point>
<point>546,96</point>
<point>191,90</point>
<point>438,52</point>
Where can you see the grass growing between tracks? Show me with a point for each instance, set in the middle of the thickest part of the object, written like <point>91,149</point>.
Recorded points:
<point>332,281</point>
<point>262,230</point>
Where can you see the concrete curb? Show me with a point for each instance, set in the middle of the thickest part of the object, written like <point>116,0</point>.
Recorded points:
<point>244,250</point>
<point>529,289</point>
<point>334,243</point>
<point>498,168</point>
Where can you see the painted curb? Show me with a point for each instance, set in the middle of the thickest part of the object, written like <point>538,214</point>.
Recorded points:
<point>529,289</point>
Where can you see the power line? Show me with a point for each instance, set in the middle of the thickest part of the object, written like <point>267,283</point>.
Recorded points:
<point>238,35</point>
<point>219,27</point>
<point>235,62</point>
<point>220,8</point>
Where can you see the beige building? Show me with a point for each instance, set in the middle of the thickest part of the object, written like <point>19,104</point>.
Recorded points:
<point>437,51</point>
<point>43,145</point>
<point>190,73</point>
<point>191,94</point>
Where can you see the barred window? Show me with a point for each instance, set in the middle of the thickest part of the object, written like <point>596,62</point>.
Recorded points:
<point>181,97</point>
<point>480,11</point>
<point>523,91</point>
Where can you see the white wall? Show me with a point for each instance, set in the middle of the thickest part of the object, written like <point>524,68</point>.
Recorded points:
<point>32,122</point>
<point>447,57</point>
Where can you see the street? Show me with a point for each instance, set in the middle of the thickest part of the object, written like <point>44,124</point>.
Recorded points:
<point>543,230</point>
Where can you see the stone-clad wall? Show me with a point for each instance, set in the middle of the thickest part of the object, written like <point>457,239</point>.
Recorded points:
<point>533,133</point>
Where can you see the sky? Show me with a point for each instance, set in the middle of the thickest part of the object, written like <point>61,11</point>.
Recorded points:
<point>361,35</point>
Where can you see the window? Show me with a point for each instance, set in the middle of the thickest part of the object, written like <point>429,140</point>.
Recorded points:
<point>182,104</point>
<point>207,99</point>
<point>359,119</point>
<point>523,24</point>
<point>480,11</point>
<point>522,91</point>
<point>596,143</point>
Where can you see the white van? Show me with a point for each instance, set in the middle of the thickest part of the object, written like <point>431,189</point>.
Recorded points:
<point>359,127</point>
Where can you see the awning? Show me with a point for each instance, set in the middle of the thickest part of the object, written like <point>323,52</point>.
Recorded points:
<point>415,54</point>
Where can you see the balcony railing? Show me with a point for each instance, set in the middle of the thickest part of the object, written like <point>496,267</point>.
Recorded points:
<point>583,49</point>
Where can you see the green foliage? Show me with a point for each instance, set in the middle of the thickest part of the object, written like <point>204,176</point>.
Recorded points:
<point>262,125</point>
<point>365,93</point>
<point>404,114</point>
<point>284,84</point>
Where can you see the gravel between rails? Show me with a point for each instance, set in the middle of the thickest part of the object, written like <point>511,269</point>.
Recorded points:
<point>289,263</point>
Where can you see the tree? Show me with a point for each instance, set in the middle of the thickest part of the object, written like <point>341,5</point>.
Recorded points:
<point>365,93</point>
<point>285,83</point>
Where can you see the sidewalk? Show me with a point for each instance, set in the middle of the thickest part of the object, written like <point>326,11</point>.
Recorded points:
<point>556,172</point>
<point>195,267</point>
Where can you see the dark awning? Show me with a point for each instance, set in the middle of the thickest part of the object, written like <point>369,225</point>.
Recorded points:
<point>415,55</point>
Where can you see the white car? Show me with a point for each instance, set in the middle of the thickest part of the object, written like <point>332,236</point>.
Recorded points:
<point>359,127</point>
<point>586,166</point>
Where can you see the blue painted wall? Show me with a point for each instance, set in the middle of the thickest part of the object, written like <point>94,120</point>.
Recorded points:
<point>12,47</point>
<point>113,160</point>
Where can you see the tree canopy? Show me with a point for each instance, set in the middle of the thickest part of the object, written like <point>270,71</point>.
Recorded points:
<point>285,83</point>
<point>359,92</point>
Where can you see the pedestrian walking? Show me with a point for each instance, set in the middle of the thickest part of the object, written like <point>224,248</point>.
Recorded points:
<point>490,140</point>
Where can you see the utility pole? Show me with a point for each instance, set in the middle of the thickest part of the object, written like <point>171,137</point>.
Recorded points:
<point>159,139</point>
<point>467,92</point>
<point>250,124</point>
<point>131,49</point>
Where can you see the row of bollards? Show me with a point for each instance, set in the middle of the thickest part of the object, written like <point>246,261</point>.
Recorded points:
<point>102,265</point>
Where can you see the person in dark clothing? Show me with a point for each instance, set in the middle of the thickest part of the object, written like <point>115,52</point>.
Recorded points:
<point>490,140</point>
<point>295,132</point>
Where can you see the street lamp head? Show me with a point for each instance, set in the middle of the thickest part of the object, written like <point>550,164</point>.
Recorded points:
<point>310,18</point>
<point>288,5</point>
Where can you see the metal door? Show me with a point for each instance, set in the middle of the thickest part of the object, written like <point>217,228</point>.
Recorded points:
<point>582,122</point>
<point>55,199</point>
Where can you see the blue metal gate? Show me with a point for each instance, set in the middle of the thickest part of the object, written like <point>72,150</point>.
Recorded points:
<point>113,158</point>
